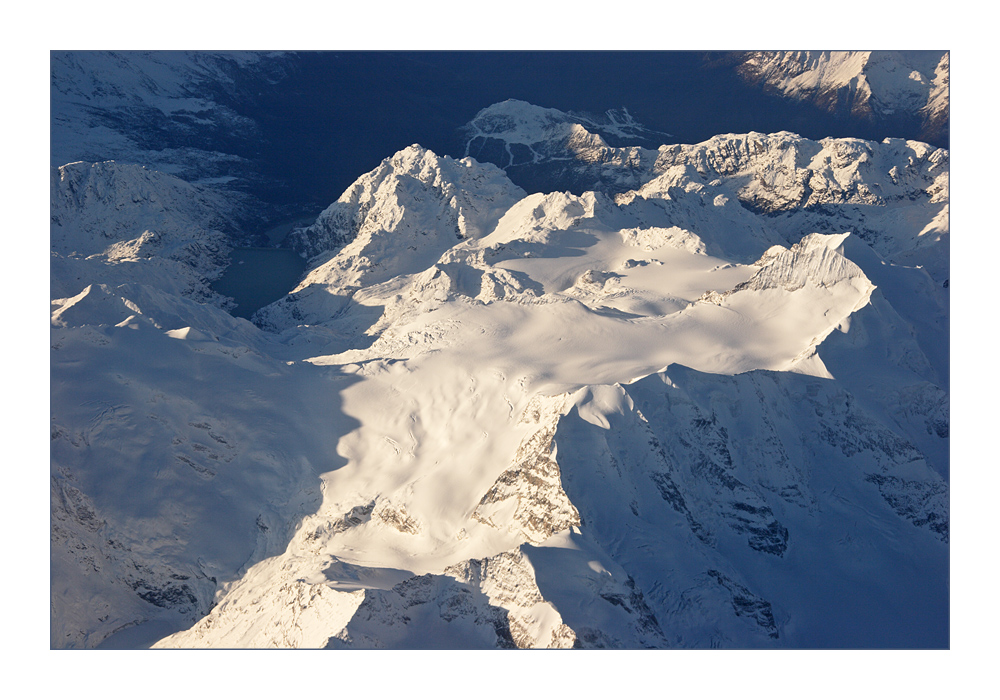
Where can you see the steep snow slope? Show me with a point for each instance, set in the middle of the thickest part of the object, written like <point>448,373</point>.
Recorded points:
<point>681,415</point>
<point>460,199</point>
<point>733,196</point>
<point>179,457</point>
<point>778,500</point>
<point>396,220</point>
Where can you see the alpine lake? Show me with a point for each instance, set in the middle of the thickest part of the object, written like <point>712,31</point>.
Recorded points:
<point>257,277</point>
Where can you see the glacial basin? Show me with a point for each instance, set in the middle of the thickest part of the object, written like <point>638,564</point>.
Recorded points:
<point>257,277</point>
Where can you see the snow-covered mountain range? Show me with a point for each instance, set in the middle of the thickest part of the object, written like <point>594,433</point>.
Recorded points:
<point>175,111</point>
<point>869,84</point>
<point>679,396</point>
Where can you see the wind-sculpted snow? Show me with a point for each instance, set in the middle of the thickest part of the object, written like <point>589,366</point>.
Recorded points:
<point>816,259</point>
<point>673,416</point>
<point>104,305</point>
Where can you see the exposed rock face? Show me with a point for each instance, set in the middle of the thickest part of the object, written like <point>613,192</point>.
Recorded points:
<point>140,587</point>
<point>781,164</point>
<point>746,604</point>
<point>778,172</point>
<point>937,111</point>
<point>799,185</point>
<point>547,149</point>
<point>396,517</point>
<point>356,516</point>
<point>426,612</point>
<point>724,461</point>
<point>532,485</point>
<point>924,504</point>
<point>398,198</point>
<point>689,414</point>
<point>508,580</point>
<point>299,615</point>
<point>495,602</point>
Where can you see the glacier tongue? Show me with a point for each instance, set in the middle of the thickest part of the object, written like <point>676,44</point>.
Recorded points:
<point>702,406</point>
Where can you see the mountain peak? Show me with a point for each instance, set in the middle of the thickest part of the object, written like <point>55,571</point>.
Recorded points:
<point>457,430</point>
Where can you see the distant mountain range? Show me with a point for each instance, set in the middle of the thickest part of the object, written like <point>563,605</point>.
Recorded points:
<point>898,88</point>
<point>571,385</point>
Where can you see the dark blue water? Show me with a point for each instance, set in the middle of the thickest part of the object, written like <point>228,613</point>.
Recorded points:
<point>334,116</point>
<point>258,276</point>
<point>337,115</point>
<point>145,634</point>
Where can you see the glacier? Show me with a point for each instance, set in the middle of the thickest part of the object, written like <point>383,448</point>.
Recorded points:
<point>685,396</point>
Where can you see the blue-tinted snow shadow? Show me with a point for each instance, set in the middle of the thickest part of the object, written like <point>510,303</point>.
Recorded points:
<point>862,568</point>
<point>209,459</point>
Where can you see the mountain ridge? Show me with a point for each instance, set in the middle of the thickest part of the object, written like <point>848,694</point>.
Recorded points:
<point>487,418</point>
<point>869,84</point>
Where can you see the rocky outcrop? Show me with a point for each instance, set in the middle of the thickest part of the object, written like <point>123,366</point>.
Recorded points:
<point>426,612</point>
<point>118,223</point>
<point>746,604</point>
<point>508,581</point>
<point>531,485</point>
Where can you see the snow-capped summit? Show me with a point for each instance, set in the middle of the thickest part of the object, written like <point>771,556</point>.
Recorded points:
<point>397,219</point>
<point>697,399</point>
<point>468,194</point>
<point>851,184</point>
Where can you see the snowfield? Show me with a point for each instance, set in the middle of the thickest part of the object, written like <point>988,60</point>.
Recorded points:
<point>703,404</point>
